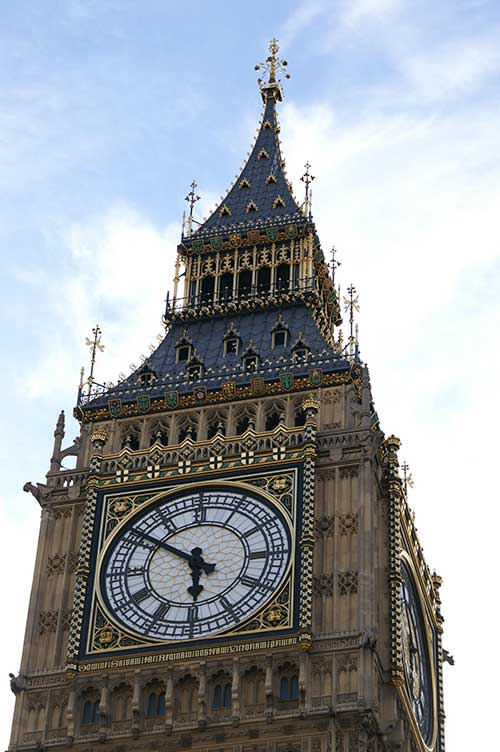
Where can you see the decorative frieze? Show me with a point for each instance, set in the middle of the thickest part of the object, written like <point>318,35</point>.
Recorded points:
<point>47,621</point>
<point>324,526</point>
<point>347,523</point>
<point>55,564</point>
<point>347,581</point>
<point>323,584</point>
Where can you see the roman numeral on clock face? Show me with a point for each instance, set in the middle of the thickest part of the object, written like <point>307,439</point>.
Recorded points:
<point>160,612</point>
<point>252,583</point>
<point>257,555</point>
<point>141,595</point>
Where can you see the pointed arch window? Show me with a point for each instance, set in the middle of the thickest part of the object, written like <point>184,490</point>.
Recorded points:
<point>244,283</point>
<point>90,712</point>
<point>232,342</point>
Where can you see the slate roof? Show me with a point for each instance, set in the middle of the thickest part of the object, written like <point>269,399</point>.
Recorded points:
<point>207,338</point>
<point>265,160</point>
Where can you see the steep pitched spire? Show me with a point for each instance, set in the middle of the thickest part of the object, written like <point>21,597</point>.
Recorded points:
<point>261,194</point>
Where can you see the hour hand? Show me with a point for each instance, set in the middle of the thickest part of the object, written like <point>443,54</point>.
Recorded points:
<point>197,565</point>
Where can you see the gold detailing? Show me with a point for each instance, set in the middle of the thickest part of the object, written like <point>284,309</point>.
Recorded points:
<point>279,201</point>
<point>271,179</point>
<point>273,66</point>
<point>251,207</point>
<point>94,344</point>
<point>245,183</point>
<point>263,154</point>
<point>225,211</point>
<point>274,615</point>
<point>99,437</point>
<point>311,403</point>
<point>267,125</point>
<point>106,635</point>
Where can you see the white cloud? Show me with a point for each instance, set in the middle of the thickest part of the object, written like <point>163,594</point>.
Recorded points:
<point>119,271</point>
<point>411,201</point>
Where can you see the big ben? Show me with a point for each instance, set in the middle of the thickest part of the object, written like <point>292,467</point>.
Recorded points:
<point>233,566</point>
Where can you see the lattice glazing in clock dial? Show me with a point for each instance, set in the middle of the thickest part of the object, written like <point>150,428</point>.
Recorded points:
<point>195,565</point>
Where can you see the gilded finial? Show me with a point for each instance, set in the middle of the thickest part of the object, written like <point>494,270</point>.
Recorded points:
<point>273,66</point>
<point>407,477</point>
<point>307,179</point>
<point>94,344</point>
<point>191,198</point>
<point>351,304</point>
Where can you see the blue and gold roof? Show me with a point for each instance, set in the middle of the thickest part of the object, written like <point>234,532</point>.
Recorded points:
<point>261,194</point>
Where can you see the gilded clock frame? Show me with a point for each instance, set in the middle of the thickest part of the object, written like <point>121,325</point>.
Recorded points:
<point>431,645</point>
<point>98,622</point>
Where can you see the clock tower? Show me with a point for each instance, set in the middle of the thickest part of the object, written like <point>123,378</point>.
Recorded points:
<point>232,566</point>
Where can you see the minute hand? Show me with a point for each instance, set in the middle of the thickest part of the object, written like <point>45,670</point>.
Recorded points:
<point>166,546</point>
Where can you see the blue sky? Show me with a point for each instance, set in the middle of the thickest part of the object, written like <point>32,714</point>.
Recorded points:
<point>109,108</point>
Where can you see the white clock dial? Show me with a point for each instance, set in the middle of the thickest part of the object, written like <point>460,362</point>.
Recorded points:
<point>195,565</point>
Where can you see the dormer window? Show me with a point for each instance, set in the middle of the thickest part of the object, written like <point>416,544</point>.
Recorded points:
<point>232,341</point>
<point>146,375</point>
<point>250,363</point>
<point>280,333</point>
<point>231,346</point>
<point>267,126</point>
<point>194,372</point>
<point>279,201</point>
<point>225,211</point>
<point>251,207</point>
<point>300,351</point>
<point>183,352</point>
<point>271,179</point>
<point>263,154</point>
<point>280,337</point>
<point>194,368</point>
<point>245,183</point>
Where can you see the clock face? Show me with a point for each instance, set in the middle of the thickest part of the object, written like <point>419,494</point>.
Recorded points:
<point>416,660</point>
<point>195,565</point>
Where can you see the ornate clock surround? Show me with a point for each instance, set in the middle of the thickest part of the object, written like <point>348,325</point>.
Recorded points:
<point>281,486</point>
<point>428,632</point>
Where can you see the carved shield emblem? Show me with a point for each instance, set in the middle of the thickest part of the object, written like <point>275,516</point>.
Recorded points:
<point>253,236</point>
<point>143,403</point>
<point>216,244</point>
<point>197,246</point>
<point>286,380</point>
<point>272,233</point>
<point>291,231</point>
<point>200,394</point>
<point>258,386</point>
<point>235,240</point>
<point>172,399</point>
<point>229,390</point>
<point>315,376</point>
<point>115,407</point>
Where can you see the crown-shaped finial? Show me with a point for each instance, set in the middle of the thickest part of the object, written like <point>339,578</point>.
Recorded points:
<point>273,66</point>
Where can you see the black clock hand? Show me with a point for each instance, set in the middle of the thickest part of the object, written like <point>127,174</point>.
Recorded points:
<point>197,565</point>
<point>166,546</point>
<point>196,562</point>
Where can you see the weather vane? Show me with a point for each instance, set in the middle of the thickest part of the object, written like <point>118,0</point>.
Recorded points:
<point>407,479</point>
<point>192,198</point>
<point>351,304</point>
<point>94,344</point>
<point>273,66</point>
<point>307,179</point>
